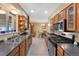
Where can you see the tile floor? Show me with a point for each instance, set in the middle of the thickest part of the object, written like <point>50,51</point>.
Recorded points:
<point>38,48</point>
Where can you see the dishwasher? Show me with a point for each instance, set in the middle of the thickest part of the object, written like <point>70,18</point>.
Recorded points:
<point>51,48</point>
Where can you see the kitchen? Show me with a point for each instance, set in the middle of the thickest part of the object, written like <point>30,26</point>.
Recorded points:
<point>23,24</point>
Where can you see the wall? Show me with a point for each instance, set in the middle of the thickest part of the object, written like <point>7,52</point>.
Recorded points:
<point>39,29</point>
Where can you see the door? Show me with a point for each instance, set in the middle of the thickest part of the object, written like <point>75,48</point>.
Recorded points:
<point>22,49</point>
<point>71,15</point>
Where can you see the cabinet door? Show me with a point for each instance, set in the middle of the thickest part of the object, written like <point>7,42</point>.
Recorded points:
<point>56,18</point>
<point>52,24</point>
<point>62,15</point>
<point>22,49</point>
<point>59,51</point>
<point>15,52</point>
<point>77,17</point>
<point>71,17</point>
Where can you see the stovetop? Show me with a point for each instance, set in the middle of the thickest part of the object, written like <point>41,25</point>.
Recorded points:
<point>59,39</point>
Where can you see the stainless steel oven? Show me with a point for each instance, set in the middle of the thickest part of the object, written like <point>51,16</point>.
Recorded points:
<point>51,49</point>
<point>52,46</point>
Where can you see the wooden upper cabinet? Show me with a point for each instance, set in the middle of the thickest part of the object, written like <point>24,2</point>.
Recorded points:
<point>56,19</point>
<point>71,17</point>
<point>52,22</point>
<point>77,17</point>
<point>62,15</point>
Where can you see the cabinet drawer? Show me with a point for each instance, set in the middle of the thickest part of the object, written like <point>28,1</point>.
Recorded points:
<point>22,51</point>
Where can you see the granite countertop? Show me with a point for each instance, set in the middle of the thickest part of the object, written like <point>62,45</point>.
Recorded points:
<point>71,49</point>
<point>7,47</point>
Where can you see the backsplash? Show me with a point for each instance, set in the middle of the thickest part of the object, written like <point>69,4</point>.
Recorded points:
<point>77,37</point>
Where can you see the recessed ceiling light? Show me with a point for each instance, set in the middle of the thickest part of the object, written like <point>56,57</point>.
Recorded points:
<point>32,11</point>
<point>45,11</point>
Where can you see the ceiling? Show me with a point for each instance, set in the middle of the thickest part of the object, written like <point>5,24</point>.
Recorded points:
<point>38,12</point>
<point>39,9</point>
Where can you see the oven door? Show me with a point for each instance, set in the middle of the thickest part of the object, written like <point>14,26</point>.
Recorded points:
<point>52,49</point>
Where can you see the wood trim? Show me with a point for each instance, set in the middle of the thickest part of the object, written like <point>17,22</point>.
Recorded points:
<point>77,18</point>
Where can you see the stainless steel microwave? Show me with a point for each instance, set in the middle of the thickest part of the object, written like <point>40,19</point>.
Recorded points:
<point>60,25</point>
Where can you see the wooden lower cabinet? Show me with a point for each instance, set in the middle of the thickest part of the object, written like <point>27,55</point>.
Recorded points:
<point>22,49</point>
<point>26,47</point>
<point>15,52</point>
<point>60,51</point>
<point>66,54</point>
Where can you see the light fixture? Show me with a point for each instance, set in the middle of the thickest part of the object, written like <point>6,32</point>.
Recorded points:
<point>48,24</point>
<point>45,11</point>
<point>32,11</point>
<point>2,11</point>
<point>14,12</point>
